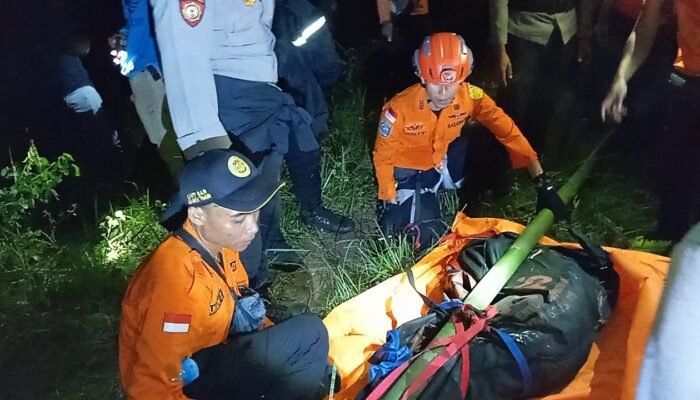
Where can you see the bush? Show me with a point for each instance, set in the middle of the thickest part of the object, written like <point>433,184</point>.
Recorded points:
<point>29,255</point>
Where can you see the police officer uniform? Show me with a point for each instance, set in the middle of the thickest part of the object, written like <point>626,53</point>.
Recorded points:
<point>220,71</point>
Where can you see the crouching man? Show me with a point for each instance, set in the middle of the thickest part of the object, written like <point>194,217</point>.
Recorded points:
<point>420,146</point>
<point>190,326</point>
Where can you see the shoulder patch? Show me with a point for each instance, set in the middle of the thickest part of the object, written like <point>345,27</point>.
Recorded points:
<point>391,115</point>
<point>192,11</point>
<point>384,129</point>
<point>475,92</point>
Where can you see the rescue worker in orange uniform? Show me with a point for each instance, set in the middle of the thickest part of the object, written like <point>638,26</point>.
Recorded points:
<point>419,146</point>
<point>190,326</point>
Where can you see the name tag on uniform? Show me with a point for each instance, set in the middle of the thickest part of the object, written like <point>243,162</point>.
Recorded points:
<point>250,2</point>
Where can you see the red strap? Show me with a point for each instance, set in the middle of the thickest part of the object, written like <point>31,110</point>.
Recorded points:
<point>464,379</point>
<point>457,342</point>
<point>389,381</point>
<point>414,227</point>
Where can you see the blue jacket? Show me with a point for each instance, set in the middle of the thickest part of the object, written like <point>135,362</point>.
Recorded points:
<point>140,44</point>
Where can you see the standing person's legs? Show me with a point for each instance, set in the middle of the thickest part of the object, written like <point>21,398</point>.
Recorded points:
<point>95,143</point>
<point>552,101</point>
<point>515,99</point>
<point>305,172</point>
<point>287,361</point>
<point>147,96</point>
<point>252,258</point>
<point>679,197</point>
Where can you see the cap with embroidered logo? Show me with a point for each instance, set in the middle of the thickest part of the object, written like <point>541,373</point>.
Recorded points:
<point>225,178</point>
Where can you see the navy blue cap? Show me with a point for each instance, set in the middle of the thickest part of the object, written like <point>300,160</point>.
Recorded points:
<point>225,178</point>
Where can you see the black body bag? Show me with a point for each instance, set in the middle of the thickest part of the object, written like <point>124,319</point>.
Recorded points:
<point>551,309</point>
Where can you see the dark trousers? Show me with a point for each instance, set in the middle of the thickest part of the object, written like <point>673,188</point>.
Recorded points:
<point>287,362</point>
<point>538,76</point>
<point>421,215</point>
<point>88,138</point>
<point>264,123</point>
<point>679,206</point>
<point>304,171</point>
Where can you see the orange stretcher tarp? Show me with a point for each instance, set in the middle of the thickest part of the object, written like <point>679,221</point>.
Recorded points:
<point>358,327</point>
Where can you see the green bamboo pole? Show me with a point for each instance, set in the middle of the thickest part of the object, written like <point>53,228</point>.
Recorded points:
<point>487,289</point>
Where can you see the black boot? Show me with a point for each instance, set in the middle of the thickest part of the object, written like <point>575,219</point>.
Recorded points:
<point>325,219</point>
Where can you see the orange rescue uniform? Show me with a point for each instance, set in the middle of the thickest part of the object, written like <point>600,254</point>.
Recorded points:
<point>174,306</point>
<point>688,61</point>
<point>411,135</point>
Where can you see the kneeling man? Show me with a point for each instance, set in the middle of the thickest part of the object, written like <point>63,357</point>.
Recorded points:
<point>420,145</point>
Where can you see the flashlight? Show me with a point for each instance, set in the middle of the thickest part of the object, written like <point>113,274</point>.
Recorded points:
<point>121,58</point>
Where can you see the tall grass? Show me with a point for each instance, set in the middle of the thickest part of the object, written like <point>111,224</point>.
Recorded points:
<point>374,262</point>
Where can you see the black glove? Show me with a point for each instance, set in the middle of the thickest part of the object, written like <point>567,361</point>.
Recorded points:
<point>547,197</point>
<point>389,218</point>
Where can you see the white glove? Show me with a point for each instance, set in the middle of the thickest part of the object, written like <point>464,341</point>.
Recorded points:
<point>84,99</point>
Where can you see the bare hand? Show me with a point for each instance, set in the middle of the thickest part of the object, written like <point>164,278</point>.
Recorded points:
<point>505,68</point>
<point>612,104</point>
<point>393,201</point>
<point>117,41</point>
<point>387,30</point>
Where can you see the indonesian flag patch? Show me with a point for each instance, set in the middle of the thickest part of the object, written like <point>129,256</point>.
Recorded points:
<point>390,115</point>
<point>192,11</point>
<point>176,323</point>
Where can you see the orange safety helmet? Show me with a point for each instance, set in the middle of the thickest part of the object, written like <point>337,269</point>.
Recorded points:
<point>443,58</point>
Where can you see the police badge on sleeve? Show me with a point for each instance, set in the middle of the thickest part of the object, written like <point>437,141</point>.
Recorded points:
<point>192,11</point>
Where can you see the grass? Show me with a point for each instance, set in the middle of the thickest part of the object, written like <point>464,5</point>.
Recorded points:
<point>69,340</point>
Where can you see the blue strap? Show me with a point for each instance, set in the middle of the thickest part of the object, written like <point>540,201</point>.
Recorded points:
<point>195,245</point>
<point>389,356</point>
<point>450,304</point>
<point>519,358</point>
